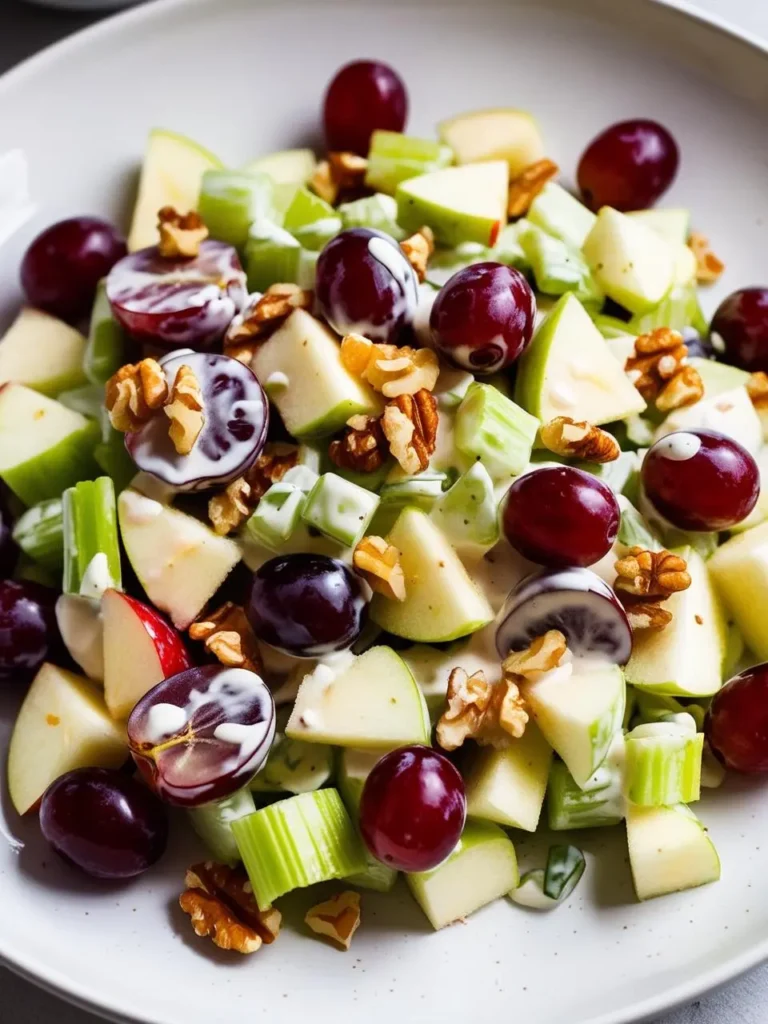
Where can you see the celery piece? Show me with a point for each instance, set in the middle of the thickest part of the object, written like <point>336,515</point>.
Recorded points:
<point>277,515</point>
<point>495,431</point>
<point>230,201</point>
<point>378,211</point>
<point>297,842</point>
<point>422,490</point>
<point>658,707</point>
<point>562,215</point>
<point>311,220</point>
<point>634,530</point>
<point>507,248</point>
<point>558,268</point>
<point>112,457</point>
<point>302,477</point>
<point>468,513</point>
<point>91,547</point>
<point>39,532</point>
<point>340,510</point>
<point>677,310</point>
<point>565,866</point>
<point>598,803</point>
<point>272,256</point>
<point>372,481</point>
<point>293,766</point>
<point>87,400</point>
<point>105,351</point>
<point>213,823</point>
<point>530,893</point>
<point>394,157</point>
<point>663,765</point>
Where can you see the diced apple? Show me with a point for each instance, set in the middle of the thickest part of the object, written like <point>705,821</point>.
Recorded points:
<point>62,725</point>
<point>459,204</point>
<point>42,352</point>
<point>179,561</point>
<point>508,786</point>
<point>730,412</point>
<point>669,850</point>
<point>510,135</point>
<point>740,572</point>
<point>286,167</point>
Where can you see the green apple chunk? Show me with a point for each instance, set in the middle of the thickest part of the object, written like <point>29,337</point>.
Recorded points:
<point>560,214</point>
<point>501,134</point>
<point>599,802</point>
<point>170,176</point>
<point>42,352</point>
<point>441,600</point>
<point>431,667</point>
<point>179,561</point>
<point>678,309</point>
<point>285,167</point>
<point>277,516</point>
<point>481,869</point>
<point>718,378</point>
<point>558,267</point>
<point>633,264</point>
<point>728,412</point>
<point>44,447</point>
<point>317,394</point>
<point>468,513</point>
<point>63,724</point>
<point>493,430</point>
<point>664,763</point>
<point>740,572</point>
<point>460,204</point>
<point>669,851</point>
<point>213,823</point>
<point>373,703</point>
<point>579,710</point>
<point>230,201</point>
<point>105,351</point>
<point>508,786</point>
<point>685,659</point>
<point>354,768</point>
<point>568,370</point>
<point>672,224</point>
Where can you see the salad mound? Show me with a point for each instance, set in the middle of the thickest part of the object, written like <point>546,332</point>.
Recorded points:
<point>391,503</point>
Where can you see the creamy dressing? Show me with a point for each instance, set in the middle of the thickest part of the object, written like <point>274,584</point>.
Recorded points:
<point>97,578</point>
<point>81,626</point>
<point>678,447</point>
<point>164,720</point>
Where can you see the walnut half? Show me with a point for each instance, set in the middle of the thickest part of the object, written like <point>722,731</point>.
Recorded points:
<point>185,410</point>
<point>181,234</point>
<point>134,393</point>
<point>227,634</point>
<point>338,918</point>
<point>565,436</point>
<point>379,564</point>
<point>650,574</point>
<point>220,903</point>
<point>410,426</point>
<point>492,714</point>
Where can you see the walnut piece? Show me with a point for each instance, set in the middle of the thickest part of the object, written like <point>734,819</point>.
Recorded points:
<point>185,410</point>
<point>647,615</point>
<point>650,574</point>
<point>658,368</point>
<point>757,389</point>
<point>526,186</point>
<point>709,267</point>
<point>581,440</point>
<point>379,564</point>
<point>410,426</point>
<point>231,507</point>
<point>542,655</point>
<point>220,902</point>
<point>181,235</point>
<point>227,634</point>
<point>323,184</point>
<point>388,369</point>
<point>338,918</point>
<point>363,447</point>
<point>418,248</point>
<point>262,317</point>
<point>134,394</point>
<point>492,714</point>
<point>341,172</point>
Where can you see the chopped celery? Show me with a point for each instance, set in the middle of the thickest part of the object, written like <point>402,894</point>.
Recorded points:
<point>677,310</point>
<point>87,400</point>
<point>507,248</point>
<point>105,351</point>
<point>495,431</point>
<point>565,866</point>
<point>230,201</point>
<point>599,802</point>
<point>657,707</point>
<point>558,268</point>
<point>297,842</point>
<point>311,220</point>
<point>468,513</point>
<point>634,530</point>
<point>293,766</point>
<point>272,256</point>
<point>213,823</point>
<point>112,457</point>
<point>277,515</point>
<point>340,510</point>
<point>394,157</point>
<point>663,764</point>
<point>91,547</point>
<point>39,532</point>
<point>354,768</point>
<point>562,215</point>
<point>378,211</point>
<point>421,490</point>
<point>530,893</point>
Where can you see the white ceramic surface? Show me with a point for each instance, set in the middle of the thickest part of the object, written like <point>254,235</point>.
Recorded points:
<point>245,77</point>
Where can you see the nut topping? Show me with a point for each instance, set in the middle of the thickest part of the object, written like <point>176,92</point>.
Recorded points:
<point>582,440</point>
<point>544,653</point>
<point>418,248</point>
<point>658,368</point>
<point>647,615</point>
<point>526,186</point>
<point>757,389</point>
<point>181,235</point>
<point>185,410</point>
<point>340,172</point>
<point>379,564</point>
<point>220,902</point>
<point>229,509</point>
<point>338,918</point>
<point>709,266</point>
<point>134,394</point>
<point>227,634</point>
<point>363,447</point>
<point>650,574</point>
<point>410,425</point>
<point>262,318</point>
<point>492,714</point>
<point>391,370</point>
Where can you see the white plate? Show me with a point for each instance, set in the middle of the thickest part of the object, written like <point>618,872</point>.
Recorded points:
<point>247,77</point>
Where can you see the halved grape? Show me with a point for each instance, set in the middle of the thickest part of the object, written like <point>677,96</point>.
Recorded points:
<point>28,630</point>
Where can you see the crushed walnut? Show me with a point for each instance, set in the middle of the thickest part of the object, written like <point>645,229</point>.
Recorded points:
<point>650,574</point>
<point>647,615</point>
<point>262,317</point>
<point>185,410</point>
<point>379,564</point>
<point>231,507</point>
<point>337,918</point>
<point>526,186</point>
<point>542,655</point>
<point>659,370</point>
<point>418,248</point>
<point>757,389</point>
<point>227,634</point>
<point>181,234</point>
<point>220,903</point>
<point>134,394</point>
<point>709,266</point>
<point>388,369</point>
<point>363,448</point>
<point>339,173</point>
<point>582,440</point>
<point>410,426</point>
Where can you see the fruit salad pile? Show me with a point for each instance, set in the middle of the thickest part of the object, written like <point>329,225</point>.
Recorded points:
<point>387,505</point>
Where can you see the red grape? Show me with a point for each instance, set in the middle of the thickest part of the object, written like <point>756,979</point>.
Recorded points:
<point>365,285</point>
<point>178,302</point>
<point>561,516</point>
<point>306,605</point>
<point>701,480</point>
<point>628,166</point>
<point>104,822</point>
<point>736,725</point>
<point>233,435</point>
<point>482,319</point>
<point>202,733</point>
<point>64,264</point>
<point>28,629</point>
<point>413,808</point>
<point>741,321</point>
<point>363,96</point>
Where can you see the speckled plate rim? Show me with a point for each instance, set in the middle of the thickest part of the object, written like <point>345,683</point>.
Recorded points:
<point>60,985</point>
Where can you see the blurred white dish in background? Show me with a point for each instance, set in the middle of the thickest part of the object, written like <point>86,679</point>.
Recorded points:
<point>85,5</point>
<point>16,206</point>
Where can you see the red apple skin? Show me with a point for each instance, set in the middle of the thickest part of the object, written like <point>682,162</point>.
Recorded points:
<point>171,652</point>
